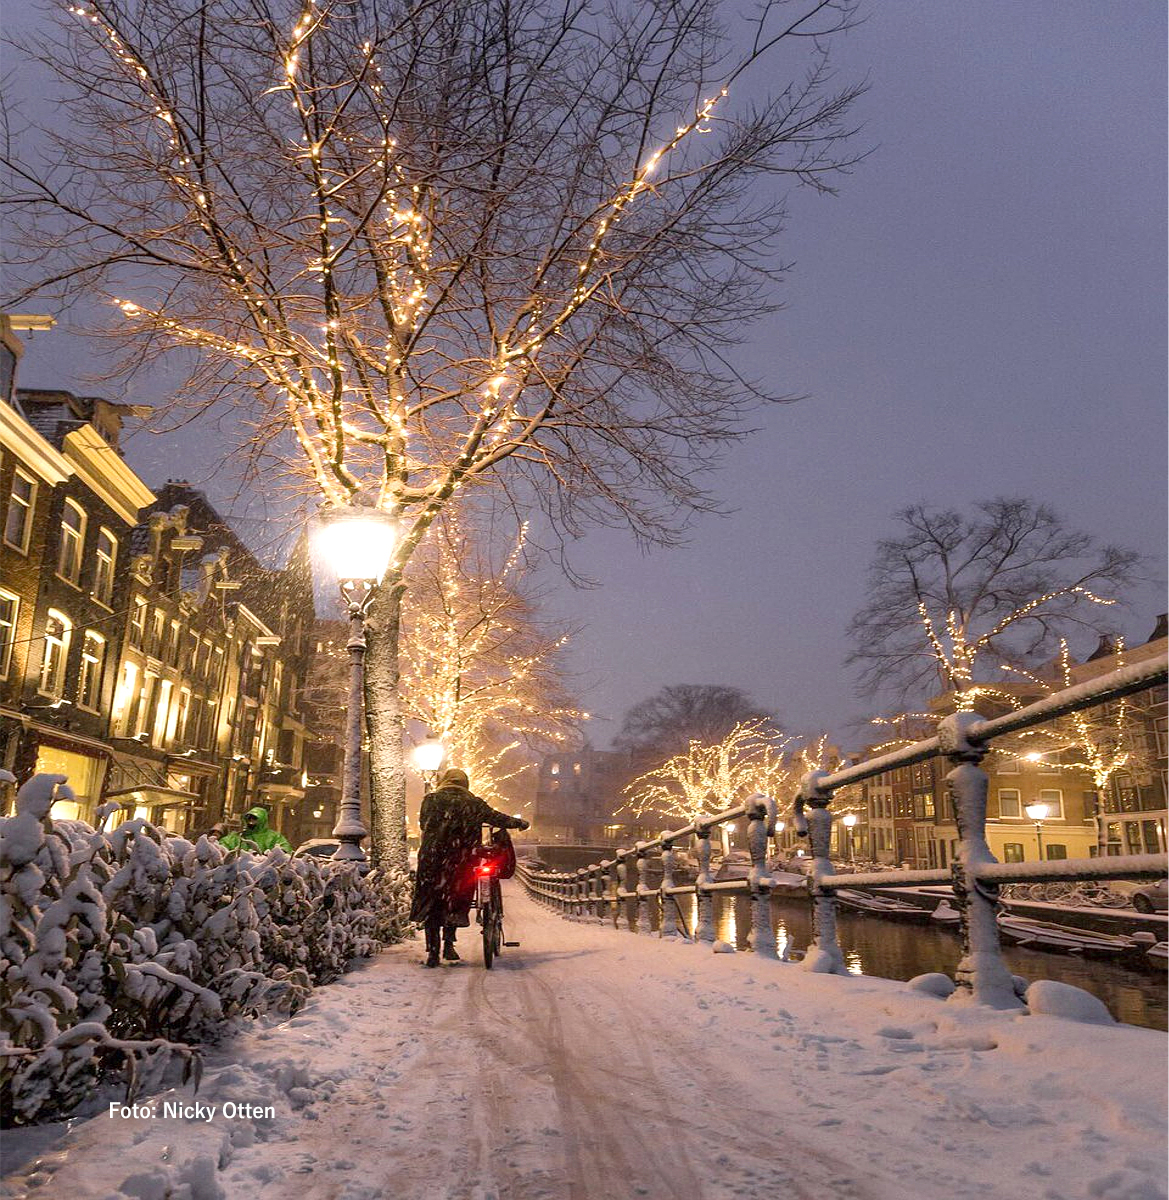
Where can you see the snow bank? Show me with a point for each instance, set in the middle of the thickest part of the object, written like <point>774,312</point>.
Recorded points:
<point>158,939</point>
<point>593,1063</point>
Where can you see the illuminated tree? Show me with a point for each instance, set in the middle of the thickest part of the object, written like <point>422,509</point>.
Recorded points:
<point>956,600</point>
<point>1099,742</point>
<point>418,245</point>
<point>479,669</point>
<point>711,776</point>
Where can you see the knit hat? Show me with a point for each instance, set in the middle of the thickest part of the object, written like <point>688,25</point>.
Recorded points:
<point>454,778</point>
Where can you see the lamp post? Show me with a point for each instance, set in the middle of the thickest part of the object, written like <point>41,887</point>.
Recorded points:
<point>1037,812</point>
<point>357,544</point>
<point>428,757</point>
<point>848,821</point>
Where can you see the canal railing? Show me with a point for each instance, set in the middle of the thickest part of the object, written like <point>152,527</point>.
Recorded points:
<point>600,892</point>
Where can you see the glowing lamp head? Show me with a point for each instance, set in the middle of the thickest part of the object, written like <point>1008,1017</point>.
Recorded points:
<point>1037,811</point>
<point>780,826</point>
<point>848,820</point>
<point>356,543</point>
<point>1033,756</point>
<point>428,756</point>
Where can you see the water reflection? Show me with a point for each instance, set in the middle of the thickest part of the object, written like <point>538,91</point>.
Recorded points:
<point>873,946</point>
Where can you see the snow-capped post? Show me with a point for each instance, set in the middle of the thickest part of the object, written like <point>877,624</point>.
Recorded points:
<point>704,929</point>
<point>599,875</point>
<point>644,892</point>
<point>357,542</point>
<point>669,925</point>
<point>824,956</point>
<point>580,895</point>
<point>761,814</point>
<point>615,888</point>
<point>622,888</point>
<point>982,973</point>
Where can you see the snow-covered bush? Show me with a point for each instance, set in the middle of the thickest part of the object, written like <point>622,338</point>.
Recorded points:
<point>121,951</point>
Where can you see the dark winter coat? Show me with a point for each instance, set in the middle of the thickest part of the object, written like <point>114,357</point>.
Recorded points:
<point>452,820</point>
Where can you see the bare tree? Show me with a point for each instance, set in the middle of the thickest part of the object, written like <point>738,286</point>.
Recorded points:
<point>424,244</point>
<point>667,722</point>
<point>480,669</point>
<point>957,600</point>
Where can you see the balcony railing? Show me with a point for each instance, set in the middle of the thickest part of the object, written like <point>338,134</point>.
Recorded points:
<point>599,891</point>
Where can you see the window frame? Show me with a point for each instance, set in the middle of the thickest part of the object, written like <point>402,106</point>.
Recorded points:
<point>64,642</point>
<point>73,540</point>
<point>8,641</point>
<point>28,508</point>
<point>1015,816</point>
<point>1041,798</point>
<point>103,579</point>
<point>92,670</point>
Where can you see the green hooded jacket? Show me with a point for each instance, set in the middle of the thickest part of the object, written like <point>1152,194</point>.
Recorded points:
<point>261,838</point>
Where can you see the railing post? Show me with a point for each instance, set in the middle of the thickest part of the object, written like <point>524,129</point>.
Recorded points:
<point>599,907</point>
<point>704,929</point>
<point>614,888</point>
<point>824,954</point>
<point>622,886</point>
<point>982,973</point>
<point>761,824</point>
<point>669,924</point>
<point>644,892</point>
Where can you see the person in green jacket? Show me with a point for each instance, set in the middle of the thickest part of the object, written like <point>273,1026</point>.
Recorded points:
<point>255,834</point>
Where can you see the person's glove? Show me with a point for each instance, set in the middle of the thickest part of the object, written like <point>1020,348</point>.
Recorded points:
<point>524,824</point>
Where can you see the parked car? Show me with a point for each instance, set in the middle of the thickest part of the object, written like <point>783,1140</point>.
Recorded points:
<point>1152,897</point>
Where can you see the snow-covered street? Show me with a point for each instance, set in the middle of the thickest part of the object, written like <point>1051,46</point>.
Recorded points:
<point>592,1063</point>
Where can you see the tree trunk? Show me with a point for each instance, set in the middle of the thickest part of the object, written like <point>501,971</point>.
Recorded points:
<point>384,728</point>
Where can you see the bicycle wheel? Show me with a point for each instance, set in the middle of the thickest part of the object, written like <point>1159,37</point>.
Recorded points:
<point>497,915</point>
<point>488,917</point>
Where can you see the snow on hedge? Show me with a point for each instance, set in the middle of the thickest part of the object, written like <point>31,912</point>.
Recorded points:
<point>121,952</point>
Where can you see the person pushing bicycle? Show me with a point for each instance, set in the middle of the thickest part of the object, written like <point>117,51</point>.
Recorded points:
<point>452,818</point>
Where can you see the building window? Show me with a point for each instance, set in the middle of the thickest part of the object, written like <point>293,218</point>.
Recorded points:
<point>21,502</point>
<point>93,661</point>
<point>1053,798</point>
<point>1009,804</point>
<point>72,540</point>
<point>157,633</point>
<point>554,769</point>
<point>174,643</point>
<point>137,635</point>
<point>124,699</point>
<point>57,633</point>
<point>9,607</point>
<point>162,713</point>
<point>103,572</point>
<point>1013,852</point>
<point>1055,851</point>
<point>1006,764</point>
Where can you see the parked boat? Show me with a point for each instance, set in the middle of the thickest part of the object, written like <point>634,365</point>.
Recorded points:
<point>881,906</point>
<point>1061,939</point>
<point>1157,956</point>
<point>946,914</point>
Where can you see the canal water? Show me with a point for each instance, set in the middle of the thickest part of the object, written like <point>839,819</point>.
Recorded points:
<point>873,946</point>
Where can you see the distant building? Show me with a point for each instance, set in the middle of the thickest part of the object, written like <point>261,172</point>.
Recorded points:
<point>580,797</point>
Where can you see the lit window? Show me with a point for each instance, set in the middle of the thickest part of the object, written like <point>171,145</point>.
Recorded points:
<point>21,501</point>
<point>72,540</point>
<point>9,606</point>
<point>576,768</point>
<point>1013,852</point>
<point>103,573</point>
<point>1009,803</point>
<point>124,698</point>
<point>93,661</point>
<point>137,635</point>
<point>1053,798</point>
<point>57,633</point>
<point>555,768</point>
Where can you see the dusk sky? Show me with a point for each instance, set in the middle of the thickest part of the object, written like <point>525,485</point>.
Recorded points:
<point>981,311</point>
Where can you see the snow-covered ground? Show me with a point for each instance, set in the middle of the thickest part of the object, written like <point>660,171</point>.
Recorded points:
<point>592,1063</point>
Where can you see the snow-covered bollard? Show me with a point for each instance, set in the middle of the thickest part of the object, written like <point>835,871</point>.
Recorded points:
<point>761,814</point>
<point>982,972</point>
<point>669,923</point>
<point>704,929</point>
<point>1050,998</point>
<point>823,956</point>
<point>644,922</point>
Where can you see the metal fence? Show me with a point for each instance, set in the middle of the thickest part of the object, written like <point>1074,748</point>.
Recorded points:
<point>599,891</point>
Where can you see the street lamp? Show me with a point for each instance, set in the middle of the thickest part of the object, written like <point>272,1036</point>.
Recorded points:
<point>428,758</point>
<point>848,821</point>
<point>357,544</point>
<point>1037,812</point>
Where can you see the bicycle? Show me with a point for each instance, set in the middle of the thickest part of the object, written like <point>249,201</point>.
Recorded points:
<point>489,901</point>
